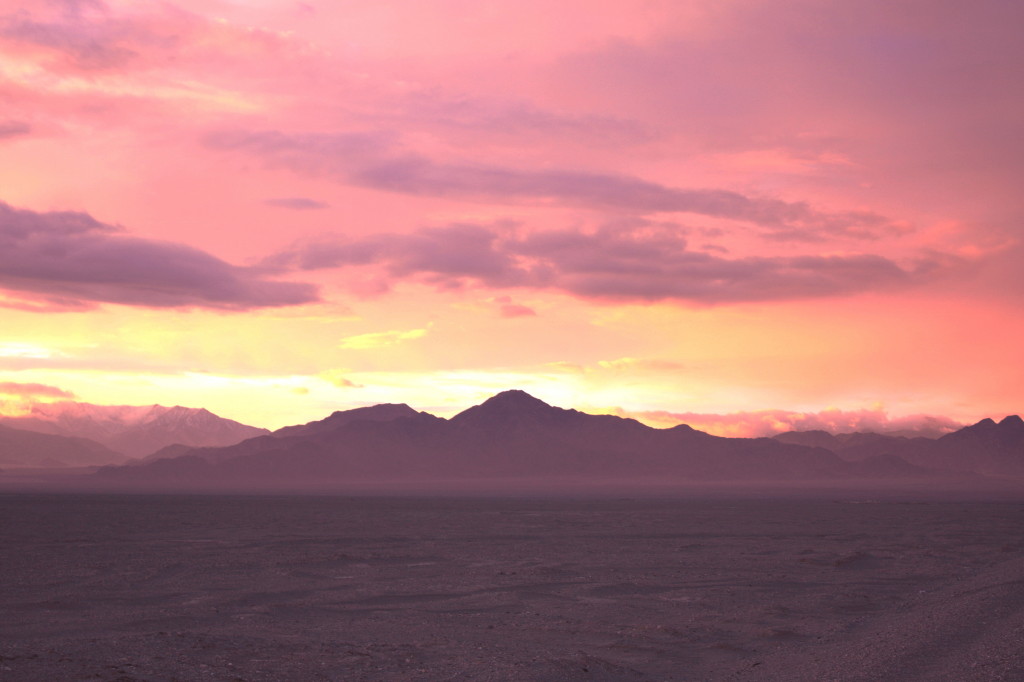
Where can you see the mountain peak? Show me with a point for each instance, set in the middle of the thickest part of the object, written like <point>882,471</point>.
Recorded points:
<point>1007,435</point>
<point>507,407</point>
<point>135,430</point>
<point>384,410</point>
<point>378,413</point>
<point>514,399</point>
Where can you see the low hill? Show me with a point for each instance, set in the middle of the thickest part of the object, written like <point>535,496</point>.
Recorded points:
<point>30,450</point>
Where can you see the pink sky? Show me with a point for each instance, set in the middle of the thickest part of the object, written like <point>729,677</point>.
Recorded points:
<point>731,211</point>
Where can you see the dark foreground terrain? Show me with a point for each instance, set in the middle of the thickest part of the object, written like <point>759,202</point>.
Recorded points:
<point>126,587</point>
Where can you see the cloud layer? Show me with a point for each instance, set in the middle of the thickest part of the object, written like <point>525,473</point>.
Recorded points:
<point>375,160</point>
<point>29,390</point>
<point>853,165</point>
<point>69,260</point>
<point>633,263</point>
<point>771,422</point>
<point>9,129</point>
<point>296,203</point>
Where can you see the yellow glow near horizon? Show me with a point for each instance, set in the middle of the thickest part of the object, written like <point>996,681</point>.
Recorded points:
<point>380,339</point>
<point>701,361</point>
<point>25,350</point>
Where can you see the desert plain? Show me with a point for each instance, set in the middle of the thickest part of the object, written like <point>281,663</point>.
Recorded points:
<point>693,587</point>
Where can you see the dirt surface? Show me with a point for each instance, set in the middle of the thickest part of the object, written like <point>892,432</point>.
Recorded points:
<point>330,588</point>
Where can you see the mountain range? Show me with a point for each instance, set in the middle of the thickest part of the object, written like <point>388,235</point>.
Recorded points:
<point>516,437</point>
<point>987,448</point>
<point>124,431</point>
<point>509,437</point>
<point>27,449</point>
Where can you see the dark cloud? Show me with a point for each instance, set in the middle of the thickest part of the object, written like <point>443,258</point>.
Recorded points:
<point>70,260</point>
<point>14,129</point>
<point>297,203</point>
<point>11,388</point>
<point>622,263</point>
<point>445,256</point>
<point>374,160</point>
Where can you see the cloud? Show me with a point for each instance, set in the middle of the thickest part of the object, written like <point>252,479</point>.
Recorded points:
<point>109,67</point>
<point>632,263</point>
<point>507,118</point>
<point>26,350</point>
<point>643,364</point>
<point>375,160</point>
<point>502,306</point>
<point>444,256</point>
<point>914,100</point>
<point>10,129</point>
<point>338,378</point>
<point>508,308</point>
<point>380,339</point>
<point>94,39</point>
<point>83,34</point>
<point>10,388</point>
<point>297,203</point>
<point>517,310</point>
<point>17,399</point>
<point>69,260</point>
<point>771,422</point>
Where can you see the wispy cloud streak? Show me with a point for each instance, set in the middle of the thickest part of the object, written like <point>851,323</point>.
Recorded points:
<point>610,264</point>
<point>30,390</point>
<point>10,129</point>
<point>375,160</point>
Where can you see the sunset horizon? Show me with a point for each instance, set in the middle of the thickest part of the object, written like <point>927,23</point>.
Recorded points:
<point>749,424</point>
<point>746,212</point>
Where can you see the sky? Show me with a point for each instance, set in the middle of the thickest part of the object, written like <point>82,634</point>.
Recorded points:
<point>746,215</point>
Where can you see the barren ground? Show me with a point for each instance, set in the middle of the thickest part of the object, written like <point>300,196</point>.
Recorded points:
<point>106,587</point>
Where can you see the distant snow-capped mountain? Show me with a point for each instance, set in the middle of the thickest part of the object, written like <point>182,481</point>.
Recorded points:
<point>135,430</point>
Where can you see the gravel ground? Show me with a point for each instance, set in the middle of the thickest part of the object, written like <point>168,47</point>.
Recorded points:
<point>99,587</point>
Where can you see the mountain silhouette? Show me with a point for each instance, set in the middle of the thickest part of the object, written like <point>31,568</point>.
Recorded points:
<point>134,430</point>
<point>855,447</point>
<point>987,448</point>
<point>511,408</point>
<point>384,412</point>
<point>27,449</point>
<point>511,436</point>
